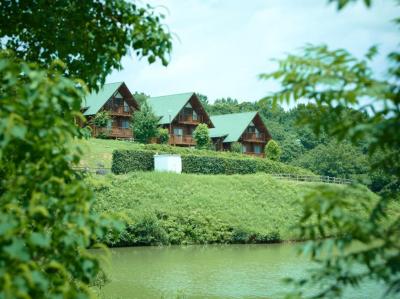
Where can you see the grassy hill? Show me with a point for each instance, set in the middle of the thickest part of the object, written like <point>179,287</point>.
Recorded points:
<point>99,151</point>
<point>165,208</point>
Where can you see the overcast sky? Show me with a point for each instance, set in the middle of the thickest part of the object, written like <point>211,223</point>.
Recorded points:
<point>222,45</point>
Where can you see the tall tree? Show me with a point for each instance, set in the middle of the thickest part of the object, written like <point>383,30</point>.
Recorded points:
<point>90,37</point>
<point>335,159</point>
<point>140,97</point>
<point>49,51</point>
<point>145,124</point>
<point>335,80</point>
<point>202,136</point>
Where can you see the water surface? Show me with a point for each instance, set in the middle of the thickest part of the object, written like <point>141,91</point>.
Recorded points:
<point>217,271</point>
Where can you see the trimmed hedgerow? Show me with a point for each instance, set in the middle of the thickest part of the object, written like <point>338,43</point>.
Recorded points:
<point>125,161</point>
<point>202,164</point>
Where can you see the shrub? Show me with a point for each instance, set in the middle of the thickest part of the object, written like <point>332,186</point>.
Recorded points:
<point>144,124</point>
<point>144,231</point>
<point>202,136</point>
<point>104,134</point>
<point>273,151</point>
<point>163,135</point>
<point>101,119</point>
<point>236,147</point>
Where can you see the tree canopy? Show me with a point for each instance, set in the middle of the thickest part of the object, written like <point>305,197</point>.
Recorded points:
<point>202,136</point>
<point>90,37</point>
<point>50,52</point>
<point>145,124</point>
<point>336,80</point>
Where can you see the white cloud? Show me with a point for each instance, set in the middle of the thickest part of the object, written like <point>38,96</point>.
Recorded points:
<point>224,45</point>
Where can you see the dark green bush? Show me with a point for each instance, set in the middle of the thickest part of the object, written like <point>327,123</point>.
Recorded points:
<point>203,164</point>
<point>145,231</point>
<point>124,161</point>
<point>155,228</point>
<point>240,166</point>
<point>193,161</point>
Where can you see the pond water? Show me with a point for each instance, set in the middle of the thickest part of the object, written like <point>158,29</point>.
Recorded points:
<point>217,271</point>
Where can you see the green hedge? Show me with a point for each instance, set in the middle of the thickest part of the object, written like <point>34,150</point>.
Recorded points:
<point>124,161</point>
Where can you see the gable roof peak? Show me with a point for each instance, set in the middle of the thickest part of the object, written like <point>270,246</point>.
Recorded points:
<point>167,107</point>
<point>231,125</point>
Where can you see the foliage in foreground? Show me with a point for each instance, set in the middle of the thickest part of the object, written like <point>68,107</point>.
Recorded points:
<point>336,80</point>
<point>110,30</point>
<point>166,208</point>
<point>45,222</point>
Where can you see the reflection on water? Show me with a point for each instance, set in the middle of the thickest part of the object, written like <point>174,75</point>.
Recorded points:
<point>217,271</point>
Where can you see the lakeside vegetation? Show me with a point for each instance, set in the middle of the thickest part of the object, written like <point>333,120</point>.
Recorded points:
<point>167,208</point>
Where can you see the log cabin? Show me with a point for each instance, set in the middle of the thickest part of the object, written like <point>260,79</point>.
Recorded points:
<point>180,114</point>
<point>118,101</point>
<point>246,128</point>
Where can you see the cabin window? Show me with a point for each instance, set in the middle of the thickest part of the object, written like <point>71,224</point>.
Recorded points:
<point>187,111</point>
<point>109,123</point>
<point>257,149</point>
<point>117,102</point>
<point>244,148</point>
<point>125,124</point>
<point>258,134</point>
<point>195,116</point>
<point>178,131</point>
<point>251,129</point>
<point>118,95</point>
<point>126,107</point>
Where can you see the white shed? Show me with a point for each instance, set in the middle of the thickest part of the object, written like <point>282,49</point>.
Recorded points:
<point>168,163</point>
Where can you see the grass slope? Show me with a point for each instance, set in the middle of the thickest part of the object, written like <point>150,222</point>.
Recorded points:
<point>99,151</point>
<point>165,208</point>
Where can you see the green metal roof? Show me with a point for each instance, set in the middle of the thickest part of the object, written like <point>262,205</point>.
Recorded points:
<point>168,107</point>
<point>231,125</point>
<point>95,100</point>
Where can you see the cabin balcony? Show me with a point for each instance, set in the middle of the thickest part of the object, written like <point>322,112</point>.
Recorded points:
<point>260,155</point>
<point>188,119</point>
<point>119,111</point>
<point>186,140</point>
<point>254,137</point>
<point>114,132</point>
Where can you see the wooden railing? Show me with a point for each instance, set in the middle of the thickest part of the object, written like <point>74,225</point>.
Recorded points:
<point>120,110</point>
<point>254,137</point>
<point>312,178</point>
<point>113,132</point>
<point>182,139</point>
<point>188,118</point>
